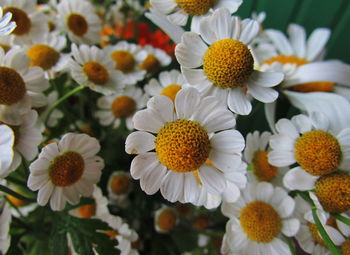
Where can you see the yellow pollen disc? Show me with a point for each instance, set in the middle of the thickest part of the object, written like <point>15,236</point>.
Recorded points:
<point>21,18</point>
<point>124,60</point>
<point>87,211</point>
<point>261,167</point>
<point>171,91</point>
<point>228,63</point>
<point>315,235</point>
<point>123,107</point>
<point>77,24</point>
<point>333,192</point>
<point>12,86</point>
<point>283,59</point>
<point>43,56</point>
<point>120,184</point>
<point>318,152</point>
<point>66,169</point>
<point>195,7</point>
<point>5,47</point>
<point>151,64</point>
<point>182,145</point>
<point>260,221</point>
<point>96,72</point>
<point>166,220</point>
<point>320,86</point>
<point>345,247</point>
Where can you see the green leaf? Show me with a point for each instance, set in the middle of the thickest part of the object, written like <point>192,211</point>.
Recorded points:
<point>341,218</point>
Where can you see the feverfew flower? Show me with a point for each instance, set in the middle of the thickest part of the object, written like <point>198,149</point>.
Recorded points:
<point>188,133</point>
<point>65,170</point>
<point>153,59</point>
<point>218,62</point>
<point>165,219</point>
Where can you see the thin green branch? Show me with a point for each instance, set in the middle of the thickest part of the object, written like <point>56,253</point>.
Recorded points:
<point>15,194</point>
<point>341,218</point>
<point>291,245</point>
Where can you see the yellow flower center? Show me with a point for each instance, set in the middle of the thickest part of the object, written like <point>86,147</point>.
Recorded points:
<point>123,107</point>
<point>12,86</point>
<point>124,60</point>
<point>43,56</point>
<point>260,221</point>
<point>195,7</point>
<point>151,64</point>
<point>171,91</point>
<point>120,184</point>
<point>166,220</point>
<point>318,152</point>
<point>228,63</point>
<point>345,247</point>
<point>66,169</point>
<point>96,72</point>
<point>87,211</point>
<point>21,18</point>
<point>182,145</point>
<point>5,47</point>
<point>283,59</point>
<point>261,167</point>
<point>77,24</point>
<point>333,192</point>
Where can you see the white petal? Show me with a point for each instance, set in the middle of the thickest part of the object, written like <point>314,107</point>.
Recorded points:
<point>265,95</point>
<point>191,188</point>
<point>173,186</point>
<point>270,112</point>
<point>195,76</point>
<point>297,39</point>
<point>228,141</point>
<point>213,179</point>
<point>299,179</point>
<point>178,18</point>
<point>151,181</point>
<point>186,102</point>
<point>238,102</point>
<point>226,162</point>
<point>250,29</point>
<point>281,158</point>
<point>143,163</point>
<point>286,207</point>
<point>280,41</point>
<point>163,107</point>
<point>57,201</point>
<point>45,193</point>
<point>148,120</point>
<point>139,142</point>
<point>264,191</point>
<point>316,42</point>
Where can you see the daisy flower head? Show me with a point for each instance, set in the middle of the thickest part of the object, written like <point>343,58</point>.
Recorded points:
<point>124,57</point>
<point>153,59</point>
<point>122,105</point>
<point>165,219</point>
<point>309,142</point>
<point>21,86</point>
<point>119,186</point>
<point>95,210</point>
<point>65,170</point>
<point>255,154</point>
<point>6,25</point>
<point>308,236</point>
<point>178,11</point>
<point>257,221</point>
<point>29,22</point>
<point>80,21</point>
<point>168,84</point>
<point>7,140</point>
<point>92,68</point>
<point>218,62</point>
<point>175,141</point>
<point>5,221</point>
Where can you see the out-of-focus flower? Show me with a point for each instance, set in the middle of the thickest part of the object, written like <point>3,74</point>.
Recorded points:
<point>153,59</point>
<point>165,219</point>
<point>65,170</point>
<point>6,25</point>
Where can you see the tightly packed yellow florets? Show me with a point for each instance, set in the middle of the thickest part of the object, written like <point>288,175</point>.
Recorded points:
<point>12,86</point>
<point>96,72</point>
<point>262,168</point>
<point>195,7</point>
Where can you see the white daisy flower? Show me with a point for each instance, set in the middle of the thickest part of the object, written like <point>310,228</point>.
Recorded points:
<point>7,140</point>
<point>46,53</point>
<point>30,24</point>
<point>188,132</point>
<point>92,68</point>
<point>168,84</point>
<point>119,186</point>
<point>21,86</point>
<point>122,105</point>
<point>80,21</point>
<point>5,221</point>
<point>310,143</point>
<point>255,154</point>
<point>65,170</point>
<point>6,25</point>
<point>27,138</point>
<point>165,219</point>
<point>124,56</point>
<point>178,11</point>
<point>257,221</point>
<point>153,59</point>
<point>308,237</point>
<point>95,210</point>
<point>226,68</point>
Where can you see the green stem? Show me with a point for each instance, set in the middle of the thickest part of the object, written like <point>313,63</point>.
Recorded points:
<point>324,234</point>
<point>341,218</point>
<point>15,194</point>
<point>59,101</point>
<point>16,181</point>
<point>290,244</point>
